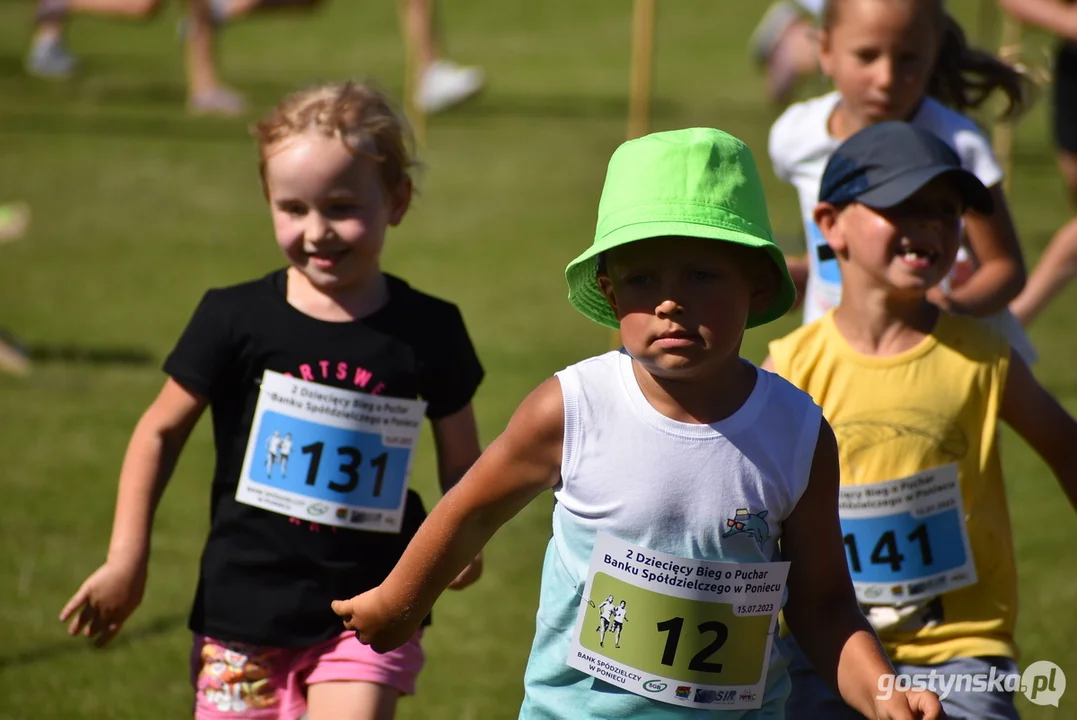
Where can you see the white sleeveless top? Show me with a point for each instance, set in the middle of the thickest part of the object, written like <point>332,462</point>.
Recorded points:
<point>800,145</point>
<point>667,486</point>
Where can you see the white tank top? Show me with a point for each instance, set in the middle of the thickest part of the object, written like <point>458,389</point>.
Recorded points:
<point>664,485</point>
<point>670,486</point>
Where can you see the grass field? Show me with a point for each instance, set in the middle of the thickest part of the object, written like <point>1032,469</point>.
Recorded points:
<point>138,209</point>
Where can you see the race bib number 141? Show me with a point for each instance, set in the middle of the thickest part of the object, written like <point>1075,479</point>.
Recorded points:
<point>906,540</point>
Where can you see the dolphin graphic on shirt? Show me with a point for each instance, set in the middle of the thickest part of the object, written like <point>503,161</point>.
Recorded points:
<point>749,524</point>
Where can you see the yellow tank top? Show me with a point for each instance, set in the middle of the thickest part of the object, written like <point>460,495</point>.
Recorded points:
<point>933,405</point>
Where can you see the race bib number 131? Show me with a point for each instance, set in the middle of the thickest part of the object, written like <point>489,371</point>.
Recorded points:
<point>329,455</point>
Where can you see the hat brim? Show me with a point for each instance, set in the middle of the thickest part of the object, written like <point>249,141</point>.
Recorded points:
<point>582,273</point>
<point>898,189</point>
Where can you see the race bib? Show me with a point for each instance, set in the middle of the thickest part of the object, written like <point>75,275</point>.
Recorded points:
<point>328,455</point>
<point>691,633</point>
<point>823,291</point>
<point>906,539</point>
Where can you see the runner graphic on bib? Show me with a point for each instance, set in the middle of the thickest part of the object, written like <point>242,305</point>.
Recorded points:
<point>351,454</point>
<point>272,452</point>
<point>620,617</point>
<point>285,451</point>
<point>906,541</point>
<point>685,631</point>
<point>605,611</point>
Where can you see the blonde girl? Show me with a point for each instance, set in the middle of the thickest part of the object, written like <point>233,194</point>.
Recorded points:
<point>331,324</point>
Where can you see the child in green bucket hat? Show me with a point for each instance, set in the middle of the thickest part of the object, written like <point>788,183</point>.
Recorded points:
<point>677,466</point>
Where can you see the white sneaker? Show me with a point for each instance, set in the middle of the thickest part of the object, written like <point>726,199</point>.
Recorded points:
<point>51,60</point>
<point>444,84</point>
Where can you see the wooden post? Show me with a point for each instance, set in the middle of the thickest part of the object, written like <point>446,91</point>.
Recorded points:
<point>639,84</point>
<point>639,90</point>
<point>1002,139</point>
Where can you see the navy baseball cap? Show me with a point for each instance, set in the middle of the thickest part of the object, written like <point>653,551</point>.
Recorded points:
<point>885,164</point>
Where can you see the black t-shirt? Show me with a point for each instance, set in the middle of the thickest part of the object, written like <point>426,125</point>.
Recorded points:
<point>265,578</point>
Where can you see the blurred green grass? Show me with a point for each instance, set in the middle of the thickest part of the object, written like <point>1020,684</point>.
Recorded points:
<point>139,208</point>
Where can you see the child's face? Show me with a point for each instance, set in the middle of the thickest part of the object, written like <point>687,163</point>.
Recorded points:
<point>880,54</point>
<point>910,246</point>
<point>683,303</point>
<point>330,210</point>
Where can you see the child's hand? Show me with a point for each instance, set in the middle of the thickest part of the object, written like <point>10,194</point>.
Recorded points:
<point>911,705</point>
<point>468,575</point>
<point>374,624</point>
<point>937,296</point>
<point>105,600</point>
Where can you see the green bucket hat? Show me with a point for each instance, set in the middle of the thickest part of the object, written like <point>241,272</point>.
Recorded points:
<point>697,182</point>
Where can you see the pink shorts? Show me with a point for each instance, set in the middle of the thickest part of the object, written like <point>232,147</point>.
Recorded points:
<point>236,680</point>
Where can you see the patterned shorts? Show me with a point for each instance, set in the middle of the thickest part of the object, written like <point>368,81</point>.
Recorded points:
<point>237,680</point>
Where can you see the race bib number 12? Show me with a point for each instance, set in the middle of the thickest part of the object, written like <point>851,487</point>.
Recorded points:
<point>329,455</point>
<point>687,632</point>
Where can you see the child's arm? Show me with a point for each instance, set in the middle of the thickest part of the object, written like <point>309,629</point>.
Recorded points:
<point>108,597</point>
<point>517,467</point>
<point>1001,272</point>
<point>799,268</point>
<point>1051,15</point>
<point>822,611</point>
<point>1044,424</point>
<point>456,437</point>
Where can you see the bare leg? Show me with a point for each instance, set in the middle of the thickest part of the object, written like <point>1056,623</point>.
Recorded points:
<point>420,29</point>
<point>795,57</point>
<point>52,13</point>
<point>1058,264</point>
<point>206,94</point>
<point>1055,269</point>
<point>351,701</point>
<point>199,47</point>
<point>786,43</point>
<point>123,8</point>
<point>48,57</point>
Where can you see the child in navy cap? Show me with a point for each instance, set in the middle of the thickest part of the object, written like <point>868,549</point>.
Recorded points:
<point>915,396</point>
